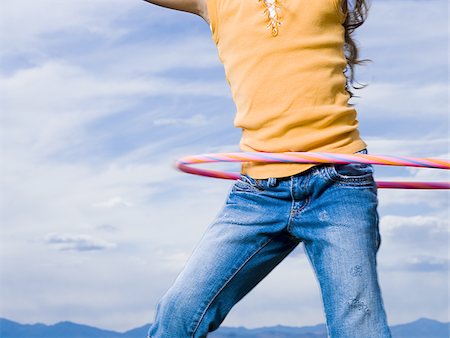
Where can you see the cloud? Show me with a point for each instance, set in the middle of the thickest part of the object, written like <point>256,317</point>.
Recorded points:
<point>383,14</point>
<point>429,146</point>
<point>107,227</point>
<point>422,264</point>
<point>113,202</point>
<point>194,121</point>
<point>408,42</point>
<point>175,261</point>
<point>415,243</point>
<point>76,242</point>
<point>434,224</point>
<point>406,100</point>
<point>48,16</point>
<point>64,100</point>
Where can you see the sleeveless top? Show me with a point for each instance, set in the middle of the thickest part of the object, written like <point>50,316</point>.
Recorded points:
<point>284,62</point>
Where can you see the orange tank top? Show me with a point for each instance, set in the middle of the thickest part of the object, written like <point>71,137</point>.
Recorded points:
<point>284,62</point>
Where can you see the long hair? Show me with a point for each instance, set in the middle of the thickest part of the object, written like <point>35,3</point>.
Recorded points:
<point>353,20</point>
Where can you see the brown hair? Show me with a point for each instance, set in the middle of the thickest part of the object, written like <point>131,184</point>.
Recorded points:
<point>353,20</point>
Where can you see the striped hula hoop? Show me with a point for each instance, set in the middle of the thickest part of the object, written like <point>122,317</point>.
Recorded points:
<point>184,163</point>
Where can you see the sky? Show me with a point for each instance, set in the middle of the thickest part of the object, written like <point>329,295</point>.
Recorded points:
<point>97,101</point>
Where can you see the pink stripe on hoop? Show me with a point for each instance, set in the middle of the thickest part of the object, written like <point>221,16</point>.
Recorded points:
<point>184,163</point>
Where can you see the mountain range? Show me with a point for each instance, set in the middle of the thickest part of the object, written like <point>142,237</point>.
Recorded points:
<point>421,328</point>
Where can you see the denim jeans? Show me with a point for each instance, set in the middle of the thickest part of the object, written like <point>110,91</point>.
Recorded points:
<point>331,208</point>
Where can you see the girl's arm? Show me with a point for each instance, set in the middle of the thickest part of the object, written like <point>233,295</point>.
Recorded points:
<point>197,7</point>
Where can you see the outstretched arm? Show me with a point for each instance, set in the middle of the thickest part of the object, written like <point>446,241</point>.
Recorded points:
<point>197,7</point>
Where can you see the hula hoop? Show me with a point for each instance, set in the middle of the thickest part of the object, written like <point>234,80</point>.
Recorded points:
<point>184,163</point>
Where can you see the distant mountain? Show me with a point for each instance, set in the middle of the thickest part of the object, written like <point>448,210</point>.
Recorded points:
<point>421,328</point>
<point>10,329</point>
<point>317,331</point>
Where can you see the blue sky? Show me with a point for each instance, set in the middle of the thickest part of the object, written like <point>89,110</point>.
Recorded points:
<point>99,98</point>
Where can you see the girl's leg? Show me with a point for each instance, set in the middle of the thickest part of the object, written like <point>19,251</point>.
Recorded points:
<point>341,237</point>
<point>241,246</point>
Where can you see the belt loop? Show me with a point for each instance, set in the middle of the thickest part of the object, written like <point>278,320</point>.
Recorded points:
<point>272,182</point>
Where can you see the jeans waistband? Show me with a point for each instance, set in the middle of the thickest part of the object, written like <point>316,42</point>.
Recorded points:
<point>272,181</point>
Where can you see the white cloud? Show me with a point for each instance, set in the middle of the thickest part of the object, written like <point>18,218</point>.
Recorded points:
<point>77,242</point>
<point>46,109</point>
<point>112,203</point>
<point>430,147</point>
<point>416,243</point>
<point>385,100</point>
<point>107,227</point>
<point>433,224</point>
<point>196,120</point>
<point>174,262</point>
<point>49,16</point>
<point>424,263</point>
<point>392,33</point>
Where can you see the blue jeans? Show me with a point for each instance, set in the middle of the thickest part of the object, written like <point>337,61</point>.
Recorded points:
<point>331,208</point>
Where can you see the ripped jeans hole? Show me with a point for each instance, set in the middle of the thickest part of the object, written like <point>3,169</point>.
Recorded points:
<point>356,303</point>
<point>356,271</point>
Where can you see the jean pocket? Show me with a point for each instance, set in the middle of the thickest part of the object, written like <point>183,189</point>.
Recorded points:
<point>351,173</point>
<point>246,183</point>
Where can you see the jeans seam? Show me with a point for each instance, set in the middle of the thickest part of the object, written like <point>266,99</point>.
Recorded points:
<point>308,198</point>
<point>306,186</point>
<point>292,207</point>
<point>264,244</point>
<point>307,201</point>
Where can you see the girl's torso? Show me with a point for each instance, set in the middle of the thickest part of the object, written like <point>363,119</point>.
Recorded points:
<point>284,62</point>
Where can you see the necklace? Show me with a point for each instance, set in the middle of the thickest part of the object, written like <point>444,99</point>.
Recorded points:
<point>271,11</point>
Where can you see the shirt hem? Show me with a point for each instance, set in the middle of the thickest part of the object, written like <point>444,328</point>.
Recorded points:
<point>279,170</point>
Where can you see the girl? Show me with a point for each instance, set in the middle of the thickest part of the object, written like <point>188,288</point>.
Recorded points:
<point>285,62</point>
